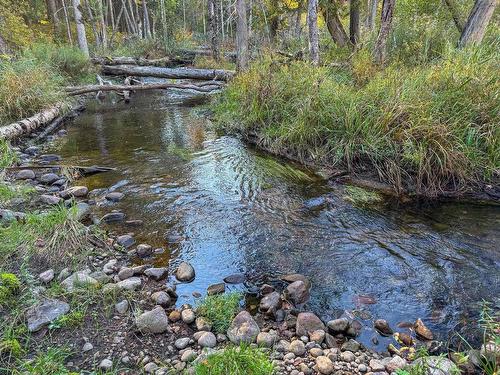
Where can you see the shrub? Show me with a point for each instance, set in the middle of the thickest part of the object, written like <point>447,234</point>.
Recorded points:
<point>426,129</point>
<point>220,309</point>
<point>242,360</point>
<point>26,88</point>
<point>9,286</point>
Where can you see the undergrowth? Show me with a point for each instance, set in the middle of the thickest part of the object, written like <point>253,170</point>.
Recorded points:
<point>220,309</point>
<point>243,360</point>
<point>425,129</point>
<point>7,156</point>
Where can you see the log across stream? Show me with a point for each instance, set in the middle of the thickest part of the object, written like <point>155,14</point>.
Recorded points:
<point>229,209</point>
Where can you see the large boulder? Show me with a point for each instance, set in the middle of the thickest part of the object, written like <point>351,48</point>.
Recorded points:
<point>243,329</point>
<point>45,312</point>
<point>185,272</point>
<point>435,365</point>
<point>154,321</point>
<point>308,322</point>
<point>297,292</point>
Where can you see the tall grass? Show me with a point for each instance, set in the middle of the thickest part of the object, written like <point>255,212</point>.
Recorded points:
<point>426,129</point>
<point>7,155</point>
<point>220,309</point>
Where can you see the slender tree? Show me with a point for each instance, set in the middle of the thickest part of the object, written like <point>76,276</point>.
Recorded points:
<point>333,24</point>
<point>455,14</point>
<point>68,25</point>
<point>145,20</point>
<point>80,28</point>
<point>372,14</point>
<point>241,36</point>
<point>477,22</point>
<point>312,21</point>
<point>380,51</point>
<point>52,14</point>
<point>354,21</point>
<point>213,27</point>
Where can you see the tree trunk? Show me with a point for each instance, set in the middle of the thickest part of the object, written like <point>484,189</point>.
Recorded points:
<point>68,25</point>
<point>354,22</point>
<point>174,73</point>
<point>104,31</point>
<point>334,25</point>
<point>52,13</point>
<point>241,36</point>
<point>145,16</point>
<point>213,26</point>
<point>93,24</point>
<point>80,28</point>
<point>459,23</point>
<point>312,21</point>
<point>380,52</point>
<point>3,46</point>
<point>477,23</point>
<point>372,14</point>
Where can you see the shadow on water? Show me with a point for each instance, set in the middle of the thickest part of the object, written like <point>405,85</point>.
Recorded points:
<point>227,208</point>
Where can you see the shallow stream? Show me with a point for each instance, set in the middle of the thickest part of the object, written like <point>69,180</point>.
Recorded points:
<point>227,208</point>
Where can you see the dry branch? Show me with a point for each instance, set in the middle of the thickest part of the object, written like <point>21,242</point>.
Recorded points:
<point>78,90</point>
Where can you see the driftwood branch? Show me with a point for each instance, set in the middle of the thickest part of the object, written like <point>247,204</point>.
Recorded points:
<point>30,124</point>
<point>173,73</point>
<point>207,87</point>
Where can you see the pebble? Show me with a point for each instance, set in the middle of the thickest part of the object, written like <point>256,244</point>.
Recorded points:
<point>297,347</point>
<point>188,316</point>
<point>325,365</point>
<point>182,343</point>
<point>46,276</point>
<point>188,356</point>
<point>106,364</point>
<point>207,340</point>
<point>121,307</point>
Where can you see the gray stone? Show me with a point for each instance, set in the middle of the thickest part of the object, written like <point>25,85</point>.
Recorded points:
<point>161,298</point>
<point>395,363</point>
<point>351,345</point>
<point>132,283</point>
<point>125,273</point>
<point>185,272</point>
<point>308,322</point>
<point>297,292</point>
<point>435,365</point>
<point>114,196</point>
<point>207,340</point>
<point>154,321</point>
<point>188,316</point>
<point>238,278</point>
<point>151,368</point>
<point>297,347</point>
<point>144,250</point>
<point>25,174</point>
<point>74,191</point>
<point>325,365</point>
<point>49,178</point>
<point>347,356</point>
<point>182,343</point>
<point>87,347</point>
<point>376,365</point>
<point>243,329</point>
<point>50,199</point>
<point>106,364</point>
<point>44,313</point>
<point>46,276</point>
<point>216,289</point>
<point>188,356</point>
<point>338,325</point>
<point>122,307</point>
<point>113,217</point>
<point>157,273</point>
<point>267,339</point>
<point>318,336</point>
<point>125,240</point>
<point>82,211</point>
<point>78,279</point>
<point>270,303</point>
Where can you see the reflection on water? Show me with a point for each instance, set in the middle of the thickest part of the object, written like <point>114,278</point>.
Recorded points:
<point>229,209</point>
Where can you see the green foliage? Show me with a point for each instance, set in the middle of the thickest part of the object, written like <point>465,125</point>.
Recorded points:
<point>48,363</point>
<point>427,129</point>
<point>11,348</point>
<point>360,196</point>
<point>220,309</point>
<point>7,192</point>
<point>9,287</point>
<point>490,323</point>
<point>68,61</point>
<point>71,320</point>
<point>26,88</point>
<point>243,360</point>
<point>7,156</point>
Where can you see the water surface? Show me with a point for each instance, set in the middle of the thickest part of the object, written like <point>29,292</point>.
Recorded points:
<point>227,208</point>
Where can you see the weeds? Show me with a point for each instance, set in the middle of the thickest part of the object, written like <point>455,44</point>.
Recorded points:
<point>7,192</point>
<point>243,360</point>
<point>220,309</point>
<point>48,363</point>
<point>7,156</point>
<point>424,129</point>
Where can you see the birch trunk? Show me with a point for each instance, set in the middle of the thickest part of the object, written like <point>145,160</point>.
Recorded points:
<point>241,36</point>
<point>312,21</point>
<point>478,21</point>
<point>213,25</point>
<point>80,28</point>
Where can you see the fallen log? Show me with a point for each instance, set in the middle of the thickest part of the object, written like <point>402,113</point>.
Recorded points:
<point>30,124</point>
<point>207,87</point>
<point>173,73</point>
<point>58,122</point>
<point>166,62</point>
<point>84,171</point>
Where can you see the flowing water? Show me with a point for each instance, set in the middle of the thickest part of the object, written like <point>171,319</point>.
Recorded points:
<point>227,208</point>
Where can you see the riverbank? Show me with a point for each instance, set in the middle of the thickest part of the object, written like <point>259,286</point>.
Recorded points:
<point>417,129</point>
<point>114,322</point>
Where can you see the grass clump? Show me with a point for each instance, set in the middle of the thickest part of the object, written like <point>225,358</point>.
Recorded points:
<point>425,129</point>
<point>71,320</point>
<point>220,309</point>
<point>7,192</point>
<point>11,348</point>
<point>49,363</point>
<point>7,156</point>
<point>9,287</point>
<point>242,360</point>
